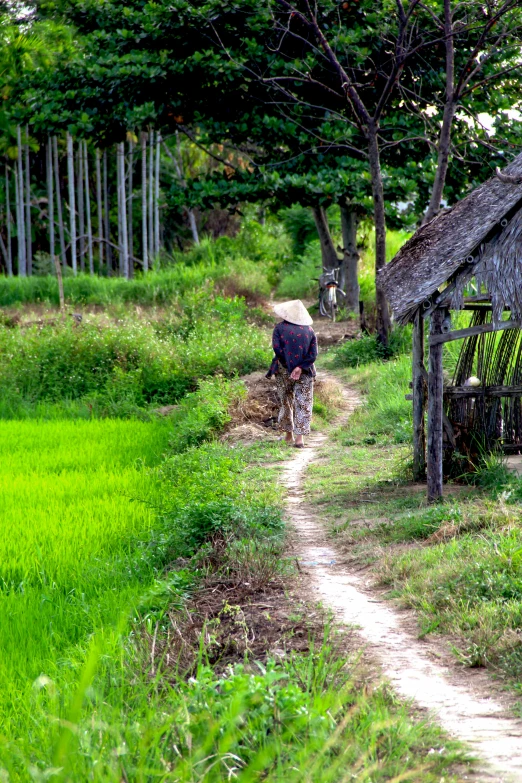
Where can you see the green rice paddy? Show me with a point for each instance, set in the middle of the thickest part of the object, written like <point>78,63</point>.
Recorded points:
<point>73,496</point>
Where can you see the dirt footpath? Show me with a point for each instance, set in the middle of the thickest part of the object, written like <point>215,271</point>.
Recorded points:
<point>460,701</point>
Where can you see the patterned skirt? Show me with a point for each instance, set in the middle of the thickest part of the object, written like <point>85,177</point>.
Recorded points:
<point>296,399</point>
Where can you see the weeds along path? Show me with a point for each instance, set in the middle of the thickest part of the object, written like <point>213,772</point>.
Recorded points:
<point>462,707</point>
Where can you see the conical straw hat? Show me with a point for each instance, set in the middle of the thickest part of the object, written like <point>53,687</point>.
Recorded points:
<point>294,312</point>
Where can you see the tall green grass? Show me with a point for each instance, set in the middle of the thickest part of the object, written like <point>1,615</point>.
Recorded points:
<point>123,367</point>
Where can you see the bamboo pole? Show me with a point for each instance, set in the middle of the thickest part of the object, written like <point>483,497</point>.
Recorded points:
<point>435,411</point>
<point>61,231</point>
<point>99,209</point>
<point>81,213</point>
<point>50,196</point>
<point>144,240</point>
<point>106,214</point>
<point>151,195</point>
<point>20,218</point>
<point>88,208</point>
<point>72,205</point>
<point>419,399</point>
<point>8,216</point>
<point>28,231</point>
<point>130,181</point>
<point>156,197</point>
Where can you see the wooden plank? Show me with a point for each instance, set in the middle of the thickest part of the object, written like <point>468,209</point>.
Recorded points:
<point>460,334</point>
<point>435,401</point>
<point>419,399</point>
<point>455,392</point>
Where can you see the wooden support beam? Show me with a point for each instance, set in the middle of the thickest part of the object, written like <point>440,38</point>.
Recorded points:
<point>455,392</point>
<point>460,334</point>
<point>419,399</point>
<point>435,410</point>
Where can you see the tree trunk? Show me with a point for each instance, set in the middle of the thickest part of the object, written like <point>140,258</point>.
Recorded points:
<point>124,265</point>
<point>383,313</point>
<point>151,195</point>
<point>130,240</point>
<point>106,214</point>
<point>61,230</point>
<point>20,216</point>
<point>81,214</point>
<point>328,252</point>
<point>349,278</point>
<point>50,197</point>
<point>193,226</point>
<point>4,250</point>
<point>447,118</point>
<point>178,164</point>
<point>88,208</point>
<point>72,205</point>
<point>99,209</point>
<point>156,197</point>
<point>8,218</point>
<point>144,239</point>
<point>28,230</point>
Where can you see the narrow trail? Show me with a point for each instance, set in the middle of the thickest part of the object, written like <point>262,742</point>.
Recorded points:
<point>459,702</point>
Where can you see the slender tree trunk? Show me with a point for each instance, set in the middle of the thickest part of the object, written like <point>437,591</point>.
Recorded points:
<point>50,196</point>
<point>349,279</point>
<point>72,205</point>
<point>144,239</point>
<point>328,252</point>
<point>99,209</point>
<point>28,229</point>
<point>151,195</point>
<point>8,218</point>
<point>443,154</point>
<point>193,226</point>
<point>106,212</point>
<point>178,163</point>
<point>4,250</point>
<point>88,208</point>
<point>123,212</point>
<point>156,197</point>
<point>61,230</point>
<point>81,213</point>
<point>383,313</point>
<point>118,199</point>
<point>20,217</point>
<point>130,183</point>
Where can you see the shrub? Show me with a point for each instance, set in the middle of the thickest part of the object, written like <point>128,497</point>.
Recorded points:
<point>130,364</point>
<point>367,349</point>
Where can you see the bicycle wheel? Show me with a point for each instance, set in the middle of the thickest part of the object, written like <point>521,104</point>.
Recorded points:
<point>326,307</point>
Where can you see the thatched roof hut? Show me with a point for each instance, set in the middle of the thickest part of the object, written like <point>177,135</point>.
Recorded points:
<point>473,248</point>
<point>480,235</point>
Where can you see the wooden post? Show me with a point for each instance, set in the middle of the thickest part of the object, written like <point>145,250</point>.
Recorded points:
<point>419,399</point>
<point>435,399</point>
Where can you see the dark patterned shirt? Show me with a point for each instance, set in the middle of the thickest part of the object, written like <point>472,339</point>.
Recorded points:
<point>294,346</point>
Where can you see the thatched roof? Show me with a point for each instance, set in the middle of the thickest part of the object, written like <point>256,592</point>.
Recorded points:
<point>436,252</point>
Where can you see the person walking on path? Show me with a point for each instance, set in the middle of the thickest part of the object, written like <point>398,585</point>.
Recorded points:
<point>295,348</point>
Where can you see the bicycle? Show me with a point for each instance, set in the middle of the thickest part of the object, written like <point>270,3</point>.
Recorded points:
<point>329,286</point>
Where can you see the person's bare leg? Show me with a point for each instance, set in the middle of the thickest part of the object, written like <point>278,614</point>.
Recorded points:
<point>289,437</point>
<point>299,440</point>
